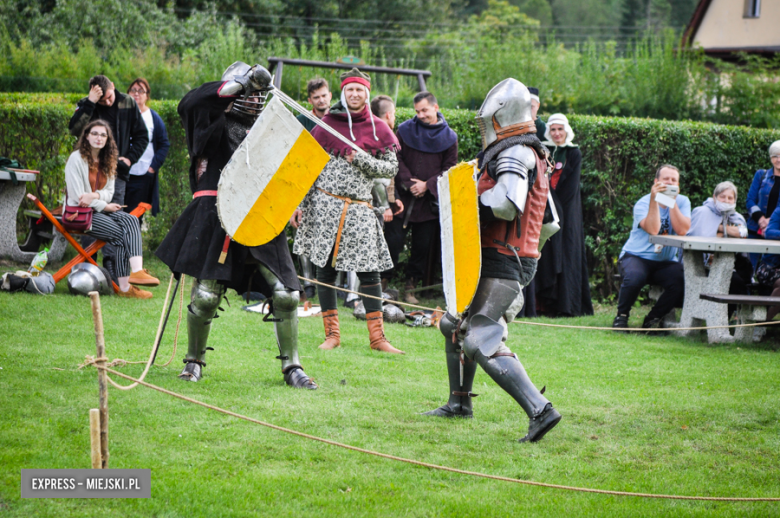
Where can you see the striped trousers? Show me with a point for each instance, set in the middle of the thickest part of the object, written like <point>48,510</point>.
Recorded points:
<point>123,232</point>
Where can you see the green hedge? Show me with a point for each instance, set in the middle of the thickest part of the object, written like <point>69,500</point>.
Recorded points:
<point>620,156</point>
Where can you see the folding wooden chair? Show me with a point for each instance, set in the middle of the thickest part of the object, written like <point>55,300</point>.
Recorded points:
<point>84,255</point>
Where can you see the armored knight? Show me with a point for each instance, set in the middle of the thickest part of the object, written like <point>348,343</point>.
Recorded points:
<point>512,191</point>
<point>216,117</point>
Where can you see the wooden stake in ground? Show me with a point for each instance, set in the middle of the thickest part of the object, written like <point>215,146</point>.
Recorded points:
<point>94,437</point>
<point>100,344</point>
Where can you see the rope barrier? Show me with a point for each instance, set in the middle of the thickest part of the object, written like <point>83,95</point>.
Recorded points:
<point>178,321</point>
<point>100,364</point>
<point>561,326</point>
<point>137,382</point>
<point>91,360</point>
<point>314,281</point>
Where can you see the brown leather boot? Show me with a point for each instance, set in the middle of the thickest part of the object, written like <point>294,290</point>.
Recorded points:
<point>408,295</point>
<point>376,334</point>
<point>332,334</point>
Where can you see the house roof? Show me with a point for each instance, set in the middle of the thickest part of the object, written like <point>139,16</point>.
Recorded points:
<point>689,35</point>
<point>693,25</point>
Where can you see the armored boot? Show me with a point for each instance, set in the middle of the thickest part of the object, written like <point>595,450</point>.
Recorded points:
<point>508,372</point>
<point>460,371</point>
<point>286,328</point>
<point>285,312</point>
<point>408,294</point>
<point>376,333</point>
<point>332,334</point>
<point>204,299</point>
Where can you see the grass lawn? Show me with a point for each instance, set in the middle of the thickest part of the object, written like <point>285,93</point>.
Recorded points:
<point>646,414</point>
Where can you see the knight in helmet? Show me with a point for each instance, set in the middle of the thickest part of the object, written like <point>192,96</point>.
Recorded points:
<point>216,117</point>
<point>512,191</point>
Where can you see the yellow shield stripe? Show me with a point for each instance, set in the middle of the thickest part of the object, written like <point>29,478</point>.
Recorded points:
<point>461,249</point>
<point>284,192</point>
<point>268,176</point>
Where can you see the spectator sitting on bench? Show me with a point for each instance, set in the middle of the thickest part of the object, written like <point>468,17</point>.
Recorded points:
<point>762,197</point>
<point>768,270</point>
<point>89,175</point>
<point>642,262</point>
<point>707,221</point>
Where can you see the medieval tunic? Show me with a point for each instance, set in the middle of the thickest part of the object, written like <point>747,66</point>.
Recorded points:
<point>194,243</point>
<point>362,247</point>
<point>562,286</point>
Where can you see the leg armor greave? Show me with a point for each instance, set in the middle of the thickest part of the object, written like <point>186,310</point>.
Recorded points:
<point>204,301</point>
<point>307,271</point>
<point>484,342</point>
<point>285,311</point>
<point>460,371</point>
<point>510,375</point>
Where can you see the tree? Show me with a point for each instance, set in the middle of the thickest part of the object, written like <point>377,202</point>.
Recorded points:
<point>536,9</point>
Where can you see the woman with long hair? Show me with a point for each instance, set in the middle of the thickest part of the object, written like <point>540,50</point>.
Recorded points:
<point>89,175</point>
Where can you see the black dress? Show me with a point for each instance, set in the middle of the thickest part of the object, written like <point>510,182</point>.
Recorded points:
<point>562,287</point>
<point>194,243</point>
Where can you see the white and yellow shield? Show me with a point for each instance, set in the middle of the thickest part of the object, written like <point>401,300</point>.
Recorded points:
<point>461,252</point>
<point>268,176</point>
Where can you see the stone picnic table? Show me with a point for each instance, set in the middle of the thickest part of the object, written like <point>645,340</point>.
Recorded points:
<point>12,191</point>
<point>697,312</point>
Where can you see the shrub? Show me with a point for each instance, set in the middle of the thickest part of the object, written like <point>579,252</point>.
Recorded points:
<point>620,156</point>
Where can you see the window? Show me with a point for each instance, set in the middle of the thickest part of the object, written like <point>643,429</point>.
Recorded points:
<point>752,9</point>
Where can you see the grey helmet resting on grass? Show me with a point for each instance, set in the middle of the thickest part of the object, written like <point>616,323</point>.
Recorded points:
<point>86,277</point>
<point>513,197</point>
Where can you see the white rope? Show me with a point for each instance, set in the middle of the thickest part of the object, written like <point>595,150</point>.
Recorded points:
<point>90,360</point>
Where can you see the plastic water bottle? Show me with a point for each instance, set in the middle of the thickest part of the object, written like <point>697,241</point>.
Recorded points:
<point>39,262</point>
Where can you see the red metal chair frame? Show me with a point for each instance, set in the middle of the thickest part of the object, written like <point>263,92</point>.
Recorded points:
<point>84,255</point>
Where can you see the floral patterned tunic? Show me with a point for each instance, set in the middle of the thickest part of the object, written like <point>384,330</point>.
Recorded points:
<point>362,247</point>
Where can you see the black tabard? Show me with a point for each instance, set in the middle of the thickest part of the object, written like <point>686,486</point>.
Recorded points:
<point>195,241</point>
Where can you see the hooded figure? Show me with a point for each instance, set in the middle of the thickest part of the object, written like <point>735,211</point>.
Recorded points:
<point>337,228</point>
<point>562,287</point>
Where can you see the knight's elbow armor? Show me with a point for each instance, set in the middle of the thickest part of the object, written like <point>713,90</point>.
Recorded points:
<point>507,198</point>
<point>379,193</point>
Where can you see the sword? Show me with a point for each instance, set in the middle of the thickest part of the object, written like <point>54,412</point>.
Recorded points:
<point>162,332</point>
<point>409,212</point>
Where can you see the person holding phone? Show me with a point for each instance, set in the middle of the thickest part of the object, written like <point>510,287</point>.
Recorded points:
<point>662,212</point>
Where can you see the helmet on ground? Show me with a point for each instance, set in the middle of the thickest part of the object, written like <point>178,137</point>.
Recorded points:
<point>86,277</point>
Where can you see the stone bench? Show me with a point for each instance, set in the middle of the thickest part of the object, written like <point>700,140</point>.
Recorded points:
<point>42,232</point>
<point>750,309</point>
